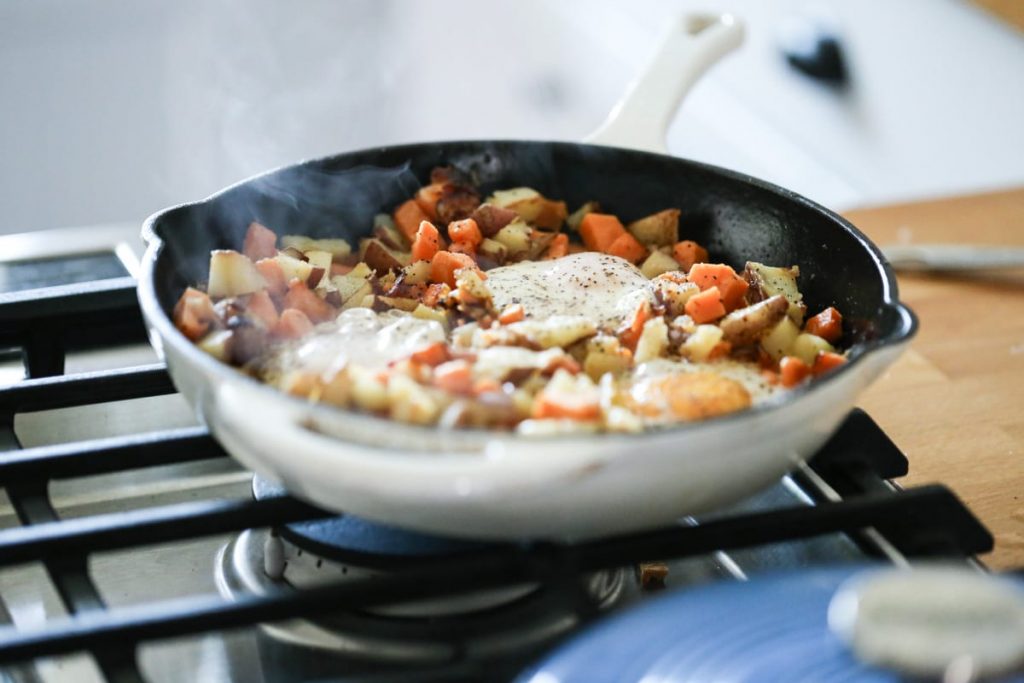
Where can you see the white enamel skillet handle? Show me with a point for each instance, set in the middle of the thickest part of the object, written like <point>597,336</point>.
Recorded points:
<point>508,466</point>
<point>691,45</point>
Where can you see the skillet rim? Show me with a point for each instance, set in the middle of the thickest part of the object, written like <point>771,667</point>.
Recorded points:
<point>157,318</point>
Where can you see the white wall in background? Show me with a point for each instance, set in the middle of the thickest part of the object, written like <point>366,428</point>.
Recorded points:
<point>112,110</point>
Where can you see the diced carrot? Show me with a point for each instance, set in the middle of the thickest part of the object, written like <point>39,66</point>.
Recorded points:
<point>558,248</point>
<point>465,230</point>
<point>687,253</point>
<point>454,376</point>
<point>426,243</point>
<point>770,376</point>
<point>828,325</point>
<point>793,371</point>
<point>731,286</point>
<point>599,230</point>
<point>462,248</point>
<point>431,354</point>
<point>270,269</point>
<point>628,247</point>
<point>300,296</point>
<point>720,350</point>
<point>557,404</point>
<point>825,361</point>
<point>340,269</point>
<point>408,217</point>
<point>706,306</point>
<point>194,314</point>
<point>630,334</point>
<point>260,242</point>
<point>445,263</point>
<point>427,199</point>
<point>292,324</point>
<point>486,385</point>
<point>513,313</point>
<point>262,308</point>
<point>433,293</point>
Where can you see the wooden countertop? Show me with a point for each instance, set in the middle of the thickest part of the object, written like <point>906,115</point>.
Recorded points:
<point>955,401</point>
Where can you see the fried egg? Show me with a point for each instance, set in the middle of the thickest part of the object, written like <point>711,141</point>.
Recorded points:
<point>605,289</point>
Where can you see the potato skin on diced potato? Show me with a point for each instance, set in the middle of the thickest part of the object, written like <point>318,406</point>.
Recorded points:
<point>660,229</point>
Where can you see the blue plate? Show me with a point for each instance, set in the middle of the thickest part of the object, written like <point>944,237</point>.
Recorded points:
<point>770,630</point>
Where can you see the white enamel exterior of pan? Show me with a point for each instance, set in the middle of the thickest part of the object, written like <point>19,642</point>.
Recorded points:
<point>499,486</point>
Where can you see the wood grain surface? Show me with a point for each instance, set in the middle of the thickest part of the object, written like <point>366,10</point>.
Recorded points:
<point>955,401</point>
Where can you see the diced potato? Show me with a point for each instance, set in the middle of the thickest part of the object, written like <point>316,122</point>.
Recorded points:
<point>336,389</point>
<point>531,206</point>
<point>767,281</point>
<point>401,303</point>
<point>806,347</point>
<point>320,259</point>
<point>377,256</point>
<point>515,236</point>
<point>360,298</point>
<point>747,325</point>
<point>698,345</point>
<point>384,229</point>
<point>416,273</point>
<point>463,334</point>
<point>653,340</point>
<point>576,217</point>
<point>233,274</point>
<point>427,313</point>
<point>293,268</point>
<point>658,263</point>
<point>350,285</point>
<point>555,331</point>
<point>361,270</point>
<point>675,294</point>
<point>368,392</point>
<point>778,342</point>
<point>660,229</point>
<point>217,344</point>
<point>337,248</point>
<point>411,402</point>
<point>469,281</point>
<point>605,354</point>
<point>494,250</point>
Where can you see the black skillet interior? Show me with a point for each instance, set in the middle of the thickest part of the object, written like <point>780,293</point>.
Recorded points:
<point>736,217</point>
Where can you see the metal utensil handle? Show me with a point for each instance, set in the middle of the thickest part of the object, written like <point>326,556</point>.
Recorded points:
<point>953,257</point>
<point>692,44</point>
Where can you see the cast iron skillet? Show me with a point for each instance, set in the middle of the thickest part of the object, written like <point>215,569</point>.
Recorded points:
<point>488,485</point>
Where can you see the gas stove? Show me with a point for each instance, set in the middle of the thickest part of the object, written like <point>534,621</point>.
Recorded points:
<point>133,549</point>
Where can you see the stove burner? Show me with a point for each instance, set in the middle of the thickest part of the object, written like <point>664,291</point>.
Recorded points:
<point>347,538</point>
<point>488,626</point>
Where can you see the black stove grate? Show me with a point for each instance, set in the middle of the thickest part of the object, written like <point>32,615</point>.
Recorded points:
<point>919,522</point>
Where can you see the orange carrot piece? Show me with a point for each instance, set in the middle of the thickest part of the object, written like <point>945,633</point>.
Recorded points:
<point>825,361</point>
<point>486,385</point>
<point>301,297</point>
<point>688,252</point>
<point>465,230</point>
<point>720,350</point>
<point>426,243</point>
<point>828,325</point>
<point>408,217</point>
<point>427,199</point>
<point>462,248</point>
<point>513,313</point>
<point>431,354</point>
<point>292,324</point>
<point>270,269</point>
<point>260,242</point>
<point>194,314</point>
<point>706,306</point>
<point>262,308</point>
<point>793,371</point>
<point>731,286</point>
<point>556,404</point>
<point>630,334</point>
<point>455,376</point>
<point>445,263</point>
<point>558,248</point>
<point>628,247</point>
<point>733,292</point>
<point>433,293</point>
<point>599,230</point>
